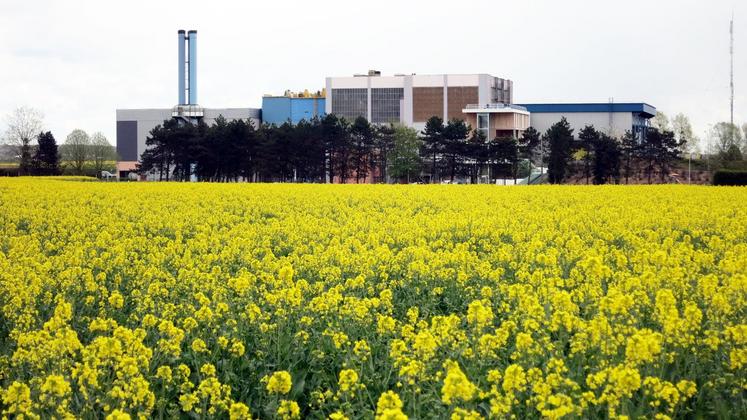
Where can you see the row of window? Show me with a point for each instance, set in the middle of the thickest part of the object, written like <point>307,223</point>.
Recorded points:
<point>386,104</point>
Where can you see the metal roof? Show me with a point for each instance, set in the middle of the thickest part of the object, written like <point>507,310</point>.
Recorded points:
<point>640,107</point>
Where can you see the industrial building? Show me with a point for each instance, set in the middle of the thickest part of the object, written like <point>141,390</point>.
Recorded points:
<point>134,125</point>
<point>412,99</point>
<point>611,118</point>
<point>483,101</point>
<point>292,107</point>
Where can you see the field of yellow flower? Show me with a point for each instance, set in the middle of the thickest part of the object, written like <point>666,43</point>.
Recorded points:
<point>286,301</point>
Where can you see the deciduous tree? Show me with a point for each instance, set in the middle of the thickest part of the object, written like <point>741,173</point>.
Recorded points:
<point>101,152</point>
<point>23,125</point>
<point>404,159</point>
<point>77,149</point>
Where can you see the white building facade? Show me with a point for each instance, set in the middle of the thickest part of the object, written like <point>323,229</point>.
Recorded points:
<point>412,99</point>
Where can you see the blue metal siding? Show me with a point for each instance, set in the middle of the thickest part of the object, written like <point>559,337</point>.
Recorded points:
<point>278,110</point>
<point>321,107</point>
<point>643,108</point>
<point>306,109</point>
<point>182,75</point>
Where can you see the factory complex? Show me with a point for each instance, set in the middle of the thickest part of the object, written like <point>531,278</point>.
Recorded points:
<point>485,102</point>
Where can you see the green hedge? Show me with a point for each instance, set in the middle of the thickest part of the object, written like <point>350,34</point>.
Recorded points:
<point>729,177</point>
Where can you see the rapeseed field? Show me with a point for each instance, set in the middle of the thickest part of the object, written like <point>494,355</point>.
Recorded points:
<point>234,301</point>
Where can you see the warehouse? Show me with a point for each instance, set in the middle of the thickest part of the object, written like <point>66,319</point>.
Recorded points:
<point>613,119</point>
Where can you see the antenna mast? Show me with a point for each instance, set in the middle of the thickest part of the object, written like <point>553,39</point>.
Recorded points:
<point>731,72</point>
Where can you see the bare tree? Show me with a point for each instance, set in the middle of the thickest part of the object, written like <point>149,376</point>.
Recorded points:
<point>101,151</point>
<point>683,132</point>
<point>728,139</point>
<point>23,126</point>
<point>77,149</point>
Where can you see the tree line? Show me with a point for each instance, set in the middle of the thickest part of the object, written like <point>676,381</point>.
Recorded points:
<point>326,149</point>
<point>38,153</point>
<point>333,149</point>
<point>603,159</point>
<point>725,141</point>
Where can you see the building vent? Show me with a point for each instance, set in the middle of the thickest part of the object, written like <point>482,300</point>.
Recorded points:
<point>374,73</point>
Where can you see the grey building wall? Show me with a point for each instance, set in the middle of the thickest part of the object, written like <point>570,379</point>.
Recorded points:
<point>621,121</point>
<point>142,121</point>
<point>145,120</point>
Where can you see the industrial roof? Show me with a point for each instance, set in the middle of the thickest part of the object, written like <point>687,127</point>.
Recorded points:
<point>641,107</point>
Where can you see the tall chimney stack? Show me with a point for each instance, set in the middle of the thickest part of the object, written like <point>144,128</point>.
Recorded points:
<point>192,39</point>
<point>182,73</point>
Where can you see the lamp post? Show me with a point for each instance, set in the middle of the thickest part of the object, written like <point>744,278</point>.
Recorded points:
<point>689,164</point>
<point>542,157</point>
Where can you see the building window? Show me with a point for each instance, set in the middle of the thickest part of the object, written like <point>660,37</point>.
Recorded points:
<point>501,91</point>
<point>482,124</point>
<point>385,105</point>
<point>350,103</point>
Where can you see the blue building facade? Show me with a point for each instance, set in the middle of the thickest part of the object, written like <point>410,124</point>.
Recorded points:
<point>280,109</point>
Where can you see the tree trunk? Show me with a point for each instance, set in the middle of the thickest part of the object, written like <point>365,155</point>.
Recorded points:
<point>433,169</point>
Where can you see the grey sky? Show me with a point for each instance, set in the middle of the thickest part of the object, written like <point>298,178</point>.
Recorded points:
<point>78,61</point>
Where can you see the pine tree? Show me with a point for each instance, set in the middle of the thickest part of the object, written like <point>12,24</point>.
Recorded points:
<point>433,143</point>
<point>560,137</point>
<point>46,160</point>
<point>588,137</point>
<point>528,143</point>
<point>455,139</point>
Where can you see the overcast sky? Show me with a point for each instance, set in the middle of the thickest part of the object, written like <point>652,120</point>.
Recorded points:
<point>78,61</point>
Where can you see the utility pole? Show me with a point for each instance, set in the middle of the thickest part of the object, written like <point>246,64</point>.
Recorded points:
<point>731,74</point>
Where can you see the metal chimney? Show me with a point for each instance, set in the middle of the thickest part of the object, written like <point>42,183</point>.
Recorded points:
<point>187,109</point>
<point>192,39</point>
<point>182,64</point>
